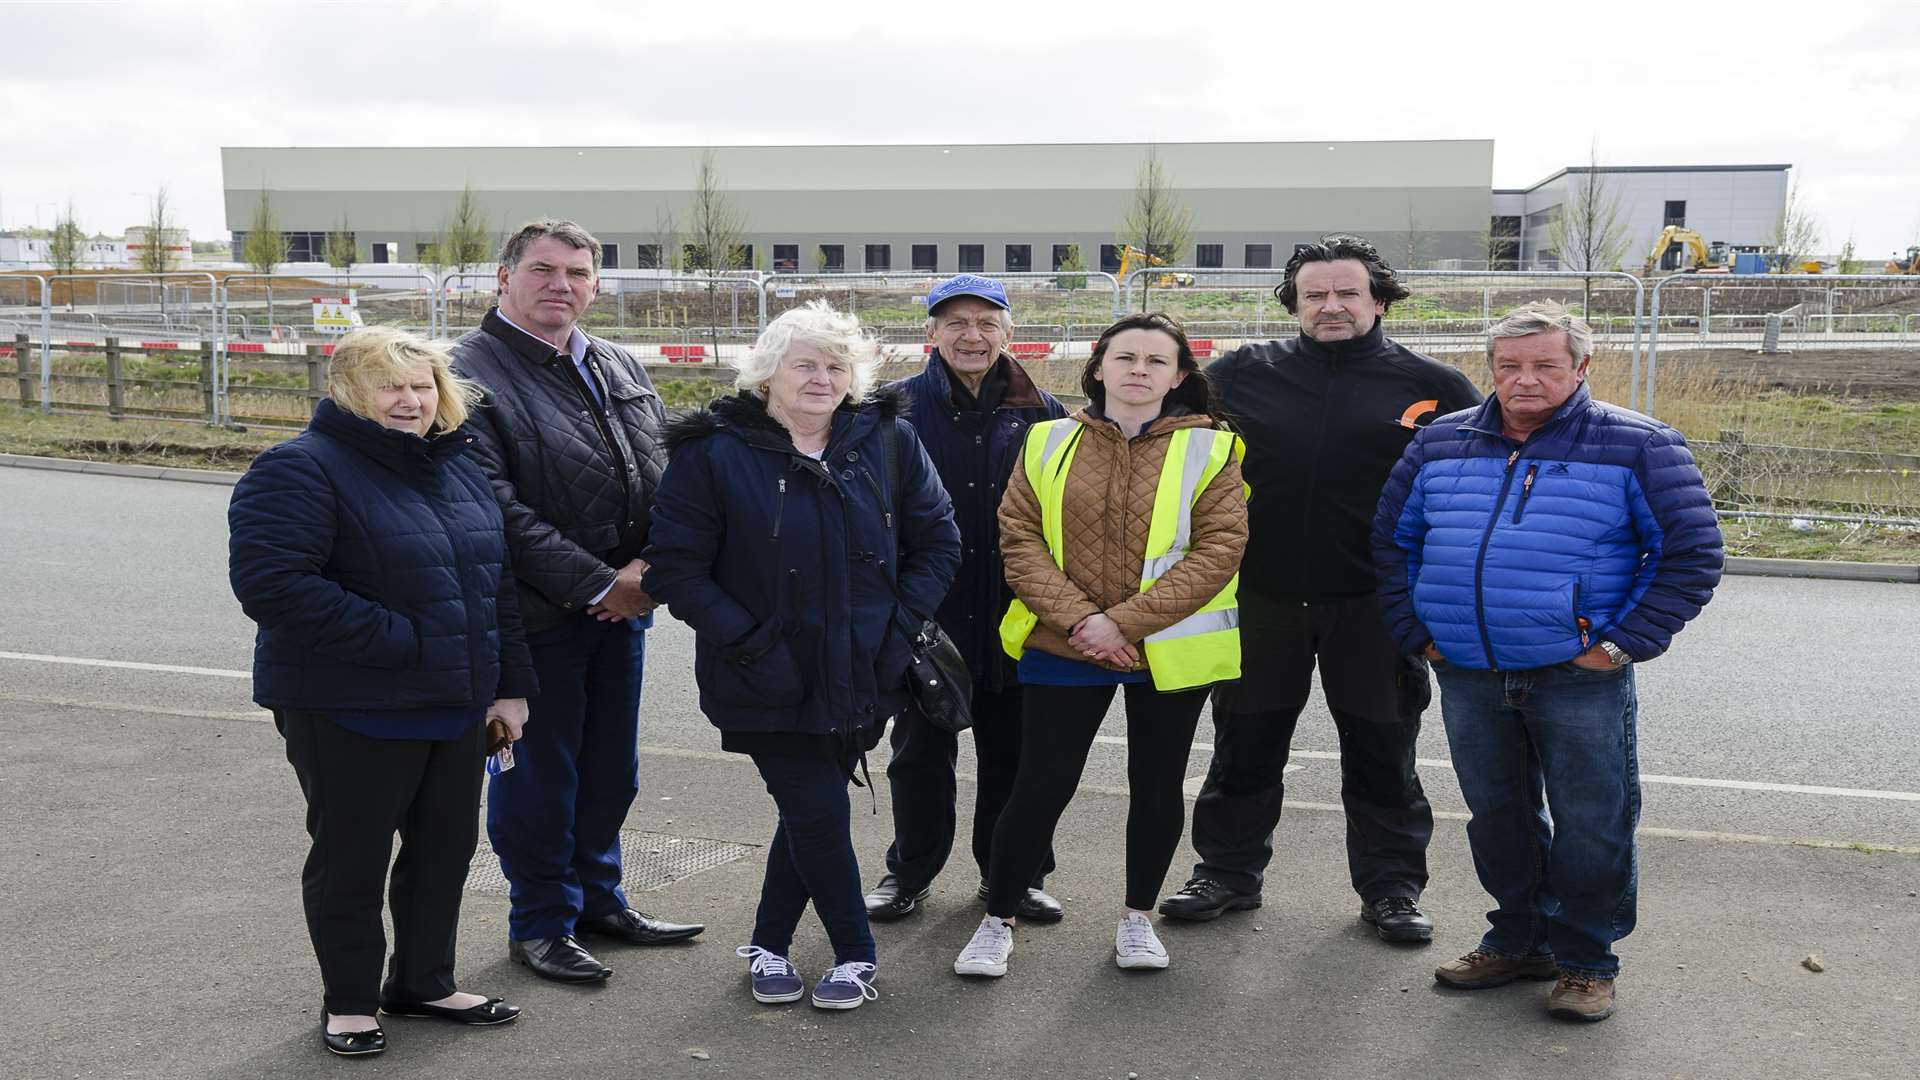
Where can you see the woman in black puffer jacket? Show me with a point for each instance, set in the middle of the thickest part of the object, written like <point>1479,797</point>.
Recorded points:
<point>371,554</point>
<point>781,536</point>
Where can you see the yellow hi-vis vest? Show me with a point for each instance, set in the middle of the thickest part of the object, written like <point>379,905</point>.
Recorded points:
<point>1202,648</point>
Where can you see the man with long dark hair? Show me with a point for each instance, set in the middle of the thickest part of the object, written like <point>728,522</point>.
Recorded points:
<point>1325,415</point>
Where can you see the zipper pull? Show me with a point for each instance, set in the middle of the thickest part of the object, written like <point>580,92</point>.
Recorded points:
<point>1513,457</point>
<point>783,485</point>
<point>1527,484</point>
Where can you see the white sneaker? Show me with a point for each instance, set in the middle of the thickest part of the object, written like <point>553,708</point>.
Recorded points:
<point>987,953</point>
<point>1136,946</point>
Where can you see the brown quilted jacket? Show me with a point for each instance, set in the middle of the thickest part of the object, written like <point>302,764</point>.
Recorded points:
<point>1108,506</point>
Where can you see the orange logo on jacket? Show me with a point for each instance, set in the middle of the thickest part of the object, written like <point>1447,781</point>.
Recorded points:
<point>1411,418</point>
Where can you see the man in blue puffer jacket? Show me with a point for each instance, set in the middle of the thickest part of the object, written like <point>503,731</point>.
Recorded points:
<point>1532,549</point>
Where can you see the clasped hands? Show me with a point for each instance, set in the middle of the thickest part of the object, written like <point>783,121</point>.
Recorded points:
<point>626,600</point>
<point>1099,637</point>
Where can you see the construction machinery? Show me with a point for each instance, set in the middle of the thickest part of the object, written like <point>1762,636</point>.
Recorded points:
<point>1909,265</point>
<point>1694,253</point>
<point>1132,258</point>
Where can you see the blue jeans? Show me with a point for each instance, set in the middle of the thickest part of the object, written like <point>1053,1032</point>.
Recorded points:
<point>811,858</point>
<point>1549,764</point>
<point>554,819</point>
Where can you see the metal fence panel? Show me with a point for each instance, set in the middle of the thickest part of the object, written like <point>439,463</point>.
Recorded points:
<point>894,304</point>
<point>1447,315</point>
<point>676,318</point>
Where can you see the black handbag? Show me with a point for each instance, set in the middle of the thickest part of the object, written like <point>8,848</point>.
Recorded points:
<point>938,679</point>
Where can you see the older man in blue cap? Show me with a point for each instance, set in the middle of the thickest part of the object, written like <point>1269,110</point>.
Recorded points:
<point>971,407</point>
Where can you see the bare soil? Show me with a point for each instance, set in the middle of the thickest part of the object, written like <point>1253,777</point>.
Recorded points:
<point>1890,374</point>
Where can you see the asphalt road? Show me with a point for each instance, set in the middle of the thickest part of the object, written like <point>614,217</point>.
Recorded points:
<point>153,842</point>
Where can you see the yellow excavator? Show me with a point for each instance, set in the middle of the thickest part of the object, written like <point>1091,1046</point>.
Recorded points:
<point>1132,258</point>
<point>1909,265</point>
<point>1695,254</point>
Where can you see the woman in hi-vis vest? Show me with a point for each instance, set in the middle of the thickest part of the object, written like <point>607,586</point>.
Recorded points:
<point>1122,530</point>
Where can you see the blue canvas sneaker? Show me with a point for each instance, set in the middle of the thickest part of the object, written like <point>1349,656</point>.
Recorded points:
<point>774,980</point>
<point>847,986</point>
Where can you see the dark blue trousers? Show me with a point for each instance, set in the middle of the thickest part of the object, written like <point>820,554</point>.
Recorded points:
<point>811,858</point>
<point>554,819</point>
<point>1549,763</point>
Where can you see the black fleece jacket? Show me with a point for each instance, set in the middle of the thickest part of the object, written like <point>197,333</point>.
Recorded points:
<point>1324,424</point>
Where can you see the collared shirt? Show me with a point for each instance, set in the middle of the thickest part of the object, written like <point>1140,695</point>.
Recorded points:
<point>577,346</point>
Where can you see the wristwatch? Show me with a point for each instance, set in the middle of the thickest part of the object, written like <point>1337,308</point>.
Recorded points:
<point>1616,654</point>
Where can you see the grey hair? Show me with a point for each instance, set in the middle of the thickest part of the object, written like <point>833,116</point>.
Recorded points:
<point>567,232</point>
<point>837,334</point>
<point>1544,317</point>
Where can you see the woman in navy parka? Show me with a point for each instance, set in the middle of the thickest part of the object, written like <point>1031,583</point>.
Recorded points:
<point>372,555</point>
<point>778,536</point>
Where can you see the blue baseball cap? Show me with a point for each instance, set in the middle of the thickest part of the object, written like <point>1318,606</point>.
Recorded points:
<point>968,285</point>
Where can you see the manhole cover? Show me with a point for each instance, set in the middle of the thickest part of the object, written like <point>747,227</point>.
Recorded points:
<point>648,861</point>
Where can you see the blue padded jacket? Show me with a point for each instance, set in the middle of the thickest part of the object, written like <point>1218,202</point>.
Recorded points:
<point>1496,550</point>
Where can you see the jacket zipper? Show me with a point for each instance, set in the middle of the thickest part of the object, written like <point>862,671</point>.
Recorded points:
<point>1526,489</point>
<point>779,507</point>
<point>1579,620</point>
<point>886,506</point>
<point>1480,562</point>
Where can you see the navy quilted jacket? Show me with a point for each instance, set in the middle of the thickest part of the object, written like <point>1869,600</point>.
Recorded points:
<point>375,563</point>
<point>785,566</point>
<point>554,455</point>
<point>1496,551</point>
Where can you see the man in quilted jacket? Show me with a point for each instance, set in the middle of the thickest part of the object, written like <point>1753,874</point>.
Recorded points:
<point>1535,550</point>
<point>569,435</point>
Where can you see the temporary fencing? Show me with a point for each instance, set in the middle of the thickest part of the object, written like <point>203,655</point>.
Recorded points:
<point>1447,314</point>
<point>1050,310</point>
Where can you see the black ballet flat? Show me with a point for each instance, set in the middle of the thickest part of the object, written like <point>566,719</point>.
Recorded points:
<point>489,1012</point>
<point>353,1043</point>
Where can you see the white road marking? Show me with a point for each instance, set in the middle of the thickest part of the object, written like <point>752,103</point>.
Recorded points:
<point>1110,740</point>
<point>1645,778</point>
<point>1192,786</point>
<point>130,665</point>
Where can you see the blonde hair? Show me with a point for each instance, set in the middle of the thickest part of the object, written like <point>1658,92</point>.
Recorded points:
<point>837,334</point>
<point>379,356</point>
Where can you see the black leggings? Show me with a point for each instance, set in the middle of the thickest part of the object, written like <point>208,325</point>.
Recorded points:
<point>1060,726</point>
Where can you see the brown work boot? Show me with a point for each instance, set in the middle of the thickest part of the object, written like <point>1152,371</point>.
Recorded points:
<point>1581,997</point>
<point>1478,970</point>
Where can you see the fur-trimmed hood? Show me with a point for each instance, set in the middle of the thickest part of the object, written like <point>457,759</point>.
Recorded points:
<point>745,413</point>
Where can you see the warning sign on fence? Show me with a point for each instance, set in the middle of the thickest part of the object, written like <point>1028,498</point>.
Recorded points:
<point>336,314</point>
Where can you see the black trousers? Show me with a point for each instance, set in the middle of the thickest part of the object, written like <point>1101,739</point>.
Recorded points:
<point>920,776</point>
<point>360,791</point>
<point>1052,756</point>
<point>1376,696</point>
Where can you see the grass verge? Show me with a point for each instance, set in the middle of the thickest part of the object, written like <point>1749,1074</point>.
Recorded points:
<point>195,446</point>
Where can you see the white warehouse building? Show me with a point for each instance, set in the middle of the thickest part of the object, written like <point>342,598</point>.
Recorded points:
<point>1736,205</point>
<point>966,207</point>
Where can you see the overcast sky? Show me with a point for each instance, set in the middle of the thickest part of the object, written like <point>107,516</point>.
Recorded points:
<point>102,103</point>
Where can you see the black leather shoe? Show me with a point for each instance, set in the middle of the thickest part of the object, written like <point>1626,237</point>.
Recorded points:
<point>1036,906</point>
<point>561,959</point>
<point>636,928</point>
<point>353,1043</point>
<point>889,902</point>
<point>489,1012</point>
<point>1204,899</point>
<point>1397,918</point>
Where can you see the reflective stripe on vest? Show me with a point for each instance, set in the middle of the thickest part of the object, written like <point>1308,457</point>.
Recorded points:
<point>1200,649</point>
